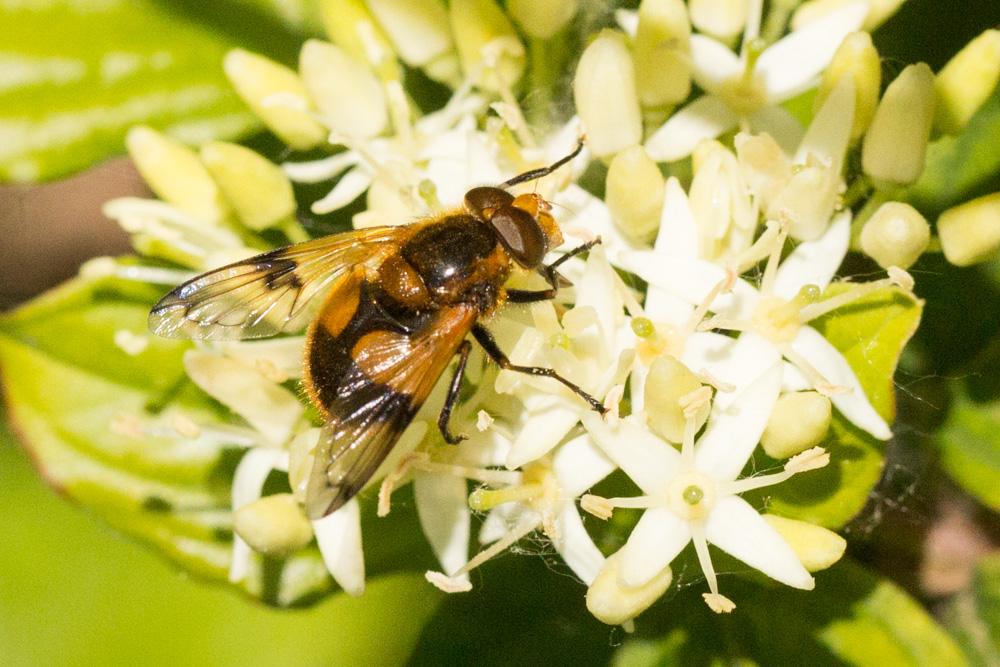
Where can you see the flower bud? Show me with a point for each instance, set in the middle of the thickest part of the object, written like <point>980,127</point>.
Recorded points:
<point>348,94</point>
<point>276,95</point>
<point>855,58</point>
<point>800,420</point>
<point>634,193</point>
<point>174,172</point>
<point>720,202</point>
<point>879,11</point>
<point>541,19</point>
<point>613,603</point>
<point>967,81</point>
<point>722,19</point>
<point>667,383</point>
<point>605,96</point>
<point>273,525</point>
<point>970,233</point>
<point>662,53</point>
<point>259,191</point>
<point>351,27</point>
<point>896,143</point>
<point>816,547</point>
<point>418,29</point>
<point>488,45</point>
<point>896,235</point>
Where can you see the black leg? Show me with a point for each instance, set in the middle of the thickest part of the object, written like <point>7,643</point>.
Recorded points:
<point>485,338</point>
<point>543,171</point>
<point>551,276</point>
<point>452,398</point>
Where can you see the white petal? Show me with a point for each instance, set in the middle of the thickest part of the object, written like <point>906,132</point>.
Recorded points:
<point>589,217</point>
<point>575,545</point>
<point>781,125</point>
<point>831,364</point>
<point>792,379</point>
<point>649,461</point>
<point>691,280</point>
<point>734,431</point>
<point>579,464</point>
<point>597,289</point>
<point>347,189</point>
<point>738,363</point>
<point>705,118</point>
<point>815,262</point>
<point>712,63</point>
<point>443,509</point>
<point>655,541</point>
<point>268,407</point>
<point>792,64</point>
<point>736,528</point>
<point>678,234</point>
<point>248,482</point>
<point>339,539</point>
<point>541,432</point>
<point>320,170</point>
<point>628,21</point>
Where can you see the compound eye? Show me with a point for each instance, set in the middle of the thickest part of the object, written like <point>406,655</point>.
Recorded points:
<point>521,235</point>
<point>484,201</point>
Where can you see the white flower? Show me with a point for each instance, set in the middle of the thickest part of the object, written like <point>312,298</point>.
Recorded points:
<point>692,496</point>
<point>778,312</point>
<point>544,497</point>
<point>748,88</point>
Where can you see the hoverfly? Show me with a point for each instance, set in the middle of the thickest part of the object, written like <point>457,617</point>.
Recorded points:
<point>399,304</point>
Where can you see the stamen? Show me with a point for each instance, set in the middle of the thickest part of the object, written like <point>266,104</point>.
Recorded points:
<point>771,268</point>
<point>185,426</point>
<point>704,558</point>
<point>811,459</point>
<point>483,421</point>
<point>527,524</point>
<point>515,117</point>
<point>694,322</point>
<point>485,475</point>
<point>106,266</point>
<point>707,378</point>
<point>612,401</point>
<point>760,249</point>
<point>720,604</point>
<point>393,479</point>
<point>317,171</point>
<point>597,506</point>
<point>857,291</point>
<point>399,111</point>
<point>817,379</point>
<point>448,584</point>
<point>692,403</point>
<point>753,46</point>
<point>687,446</point>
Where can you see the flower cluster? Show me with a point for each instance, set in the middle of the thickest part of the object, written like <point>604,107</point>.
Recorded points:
<point>716,355</point>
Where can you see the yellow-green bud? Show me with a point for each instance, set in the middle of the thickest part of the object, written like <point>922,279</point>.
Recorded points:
<point>896,144</point>
<point>277,95</point>
<point>879,11</point>
<point>816,547</point>
<point>259,191</point>
<point>351,27</point>
<point>488,45</point>
<point>634,193</point>
<point>418,29</point>
<point>800,420</point>
<point>967,81</point>
<point>348,94</point>
<point>662,53</point>
<point>667,382</point>
<point>605,96</point>
<point>542,19</point>
<point>856,58</point>
<point>273,525</point>
<point>614,603</point>
<point>896,235</point>
<point>722,19</point>
<point>174,172</point>
<point>970,233</point>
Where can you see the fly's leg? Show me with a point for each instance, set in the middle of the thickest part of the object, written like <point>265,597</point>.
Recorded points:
<point>452,398</point>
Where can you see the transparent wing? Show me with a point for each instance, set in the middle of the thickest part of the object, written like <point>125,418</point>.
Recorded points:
<point>269,293</point>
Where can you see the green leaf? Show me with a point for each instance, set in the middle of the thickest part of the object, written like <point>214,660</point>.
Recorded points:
<point>970,449</point>
<point>85,71</point>
<point>962,167</point>
<point>67,384</point>
<point>973,616</point>
<point>74,592</point>
<point>853,617</point>
<point>871,333</point>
